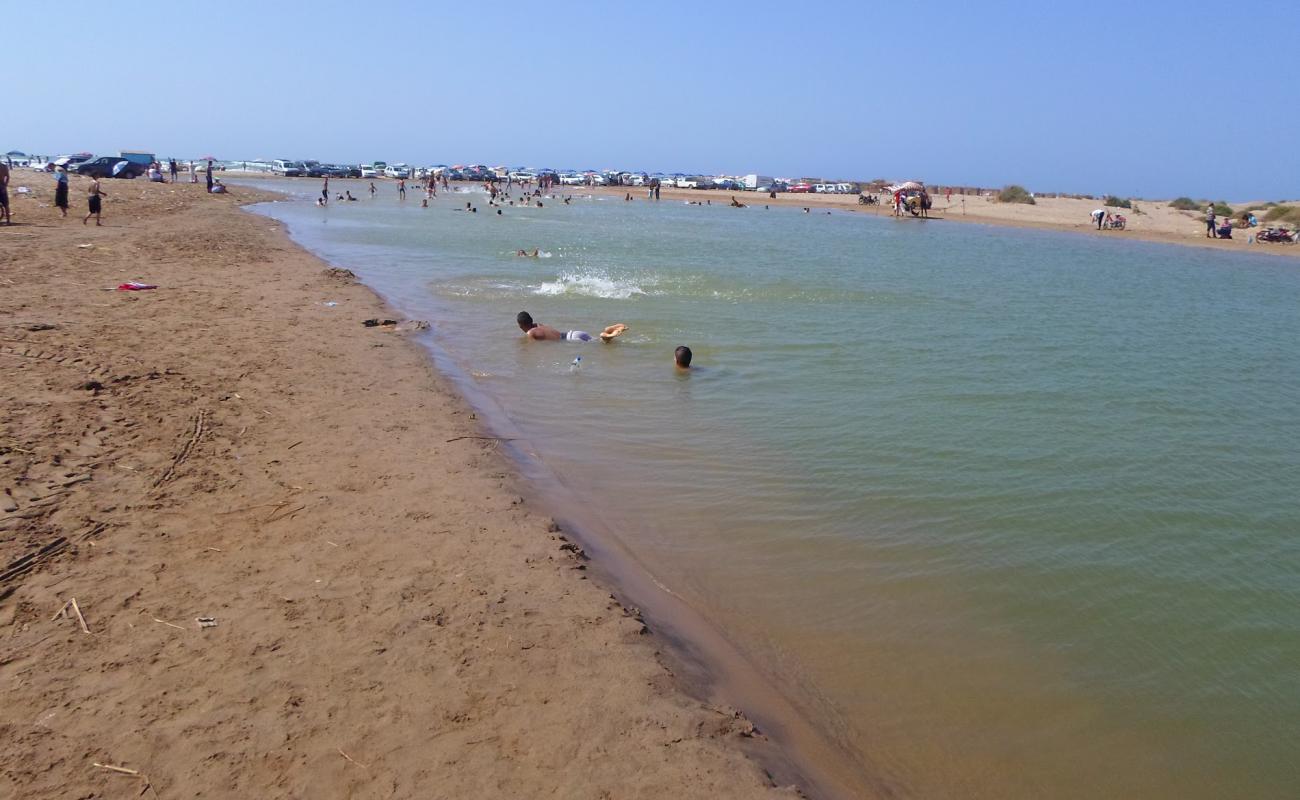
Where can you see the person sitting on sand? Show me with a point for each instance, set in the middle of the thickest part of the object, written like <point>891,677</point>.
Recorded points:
<point>218,187</point>
<point>682,357</point>
<point>540,332</point>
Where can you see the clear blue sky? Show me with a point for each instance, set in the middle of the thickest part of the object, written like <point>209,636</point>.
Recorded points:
<point>1151,98</point>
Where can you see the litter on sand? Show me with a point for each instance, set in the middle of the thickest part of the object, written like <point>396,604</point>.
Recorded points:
<point>132,286</point>
<point>207,622</point>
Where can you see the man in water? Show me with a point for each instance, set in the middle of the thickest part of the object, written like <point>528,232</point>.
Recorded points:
<point>682,357</point>
<point>546,333</point>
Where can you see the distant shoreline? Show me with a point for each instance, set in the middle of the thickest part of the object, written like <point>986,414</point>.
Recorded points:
<point>1162,220</point>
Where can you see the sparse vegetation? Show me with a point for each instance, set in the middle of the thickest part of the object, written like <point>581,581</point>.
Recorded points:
<point>1289,214</point>
<point>1117,202</point>
<point>1222,209</point>
<point>1015,194</point>
<point>1186,204</point>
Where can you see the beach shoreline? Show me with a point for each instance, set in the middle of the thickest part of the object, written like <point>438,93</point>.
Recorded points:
<point>1158,223</point>
<point>378,597</point>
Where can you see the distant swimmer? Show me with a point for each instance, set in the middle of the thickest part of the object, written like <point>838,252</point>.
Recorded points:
<point>349,195</point>
<point>682,357</point>
<point>372,189</point>
<point>526,254</point>
<point>534,330</point>
<point>736,203</point>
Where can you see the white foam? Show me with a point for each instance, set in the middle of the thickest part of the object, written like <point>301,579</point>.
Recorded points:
<point>590,286</point>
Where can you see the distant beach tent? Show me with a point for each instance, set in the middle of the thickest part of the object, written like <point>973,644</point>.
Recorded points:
<point>907,186</point>
<point>16,154</point>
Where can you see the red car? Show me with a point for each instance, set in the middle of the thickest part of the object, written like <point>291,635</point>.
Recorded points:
<point>800,187</point>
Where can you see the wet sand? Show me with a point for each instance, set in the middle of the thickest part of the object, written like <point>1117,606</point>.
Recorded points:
<point>388,615</point>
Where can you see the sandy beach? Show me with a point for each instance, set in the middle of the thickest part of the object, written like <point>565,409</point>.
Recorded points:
<point>1157,222</point>
<point>251,548</point>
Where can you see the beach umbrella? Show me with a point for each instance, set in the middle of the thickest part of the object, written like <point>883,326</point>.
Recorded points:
<point>118,167</point>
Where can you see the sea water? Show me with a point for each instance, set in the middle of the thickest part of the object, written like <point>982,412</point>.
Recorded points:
<point>1009,513</point>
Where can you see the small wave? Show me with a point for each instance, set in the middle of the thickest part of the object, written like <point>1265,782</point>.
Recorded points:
<point>590,286</point>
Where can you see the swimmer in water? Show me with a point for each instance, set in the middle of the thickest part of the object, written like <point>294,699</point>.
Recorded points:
<point>682,357</point>
<point>546,333</point>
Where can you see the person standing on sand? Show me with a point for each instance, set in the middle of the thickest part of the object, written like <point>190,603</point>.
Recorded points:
<point>1210,231</point>
<point>61,190</point>
<point>401,189</point>
<point>4,193</point>
<point>173,169</point>
<point>194,175</point>
<point>95,193</point>
<point>209,177</point>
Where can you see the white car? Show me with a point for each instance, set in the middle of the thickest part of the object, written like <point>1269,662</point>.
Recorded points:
<point>520,177</point>
<point>687,183</point>
<point>369,171</point>
<point>573,179</point>
<point>397,171</point>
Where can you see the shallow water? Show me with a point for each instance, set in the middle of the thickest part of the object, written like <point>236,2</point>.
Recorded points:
<point>1010,513</point>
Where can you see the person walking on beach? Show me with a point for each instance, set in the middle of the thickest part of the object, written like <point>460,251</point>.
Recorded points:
<point>194,175</point>
<point>173,169</point>
<point>401,189</point>
<point>209,176</point>
<point>61,190</point>
<point>1210,231</point>
<point>95,193</point>
<point>372,190</point>
<point>4,193</point>
<point>546,333</point>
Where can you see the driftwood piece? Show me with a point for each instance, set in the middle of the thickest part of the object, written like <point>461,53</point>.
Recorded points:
<point>76,609</point>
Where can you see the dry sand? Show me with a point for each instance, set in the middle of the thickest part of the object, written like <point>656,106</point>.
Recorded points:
<point>391,618</point>
<point>1157,222</point>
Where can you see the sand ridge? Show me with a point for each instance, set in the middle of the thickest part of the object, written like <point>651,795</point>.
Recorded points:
<point>391,619</point>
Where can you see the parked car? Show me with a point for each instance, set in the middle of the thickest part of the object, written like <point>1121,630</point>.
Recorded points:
<point>70,162</point>
<point>803,188</point>
<point>397,171</point>
<point>685,182</point>
<point>313,169</point>
<point>102,167</point>
<point>289,169</point>
<point>369,171</point>
<point>520,177</point>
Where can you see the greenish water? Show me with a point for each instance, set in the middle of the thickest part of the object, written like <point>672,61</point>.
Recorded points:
<point>1010,513</point>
